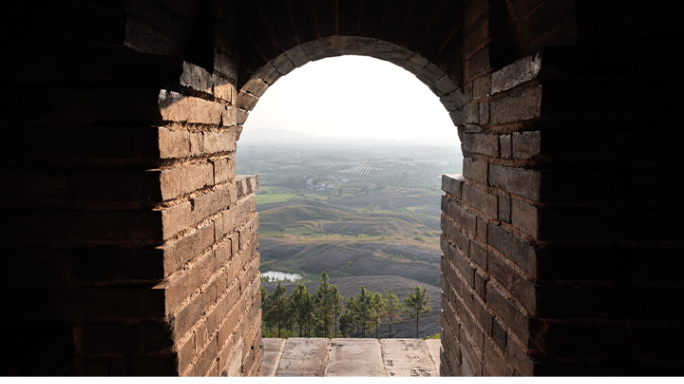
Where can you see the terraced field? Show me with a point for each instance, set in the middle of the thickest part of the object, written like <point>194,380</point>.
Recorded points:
<point>347,238</point>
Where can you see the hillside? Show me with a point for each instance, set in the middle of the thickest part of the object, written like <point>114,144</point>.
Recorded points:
<point>350,286</point>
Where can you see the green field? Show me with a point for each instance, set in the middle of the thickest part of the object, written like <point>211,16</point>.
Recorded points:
<point>353,235</point>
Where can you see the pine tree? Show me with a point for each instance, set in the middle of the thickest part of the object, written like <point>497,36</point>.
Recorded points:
<point>324,304</point>
<point>265,311</point>
<point>338,306</point>
<point>417,303</point>
<point>302,307</point>
<point>392,310</point>
<point>346,323</point>
<point>376,311</point>
<point>361,308</point>
<point>279,308</point>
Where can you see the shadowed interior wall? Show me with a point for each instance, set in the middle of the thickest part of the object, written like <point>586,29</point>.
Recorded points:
<point>560,235</point>
<point>131,245</point>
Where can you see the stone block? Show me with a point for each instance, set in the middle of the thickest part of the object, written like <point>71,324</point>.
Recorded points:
<point>521,71</point>
<point>478,254</point>
<point>506,146</point>
<point>187,109</point>
<point>246,101</point>
<point>189,247</point>
<point>475,169</point>
<point>406,357</point>
<point>515,249</point>
<point>238,214</point>
<point>504,209</point>
<point>453,101</point>
<point>182,180</point>
<point>196,78</point>
<point>508,312</point>
<point>481,200</point>
<point>518,107</point>
<point>521,182</point>
<point>248,231</point>
<point>255,87</point>
<point>173,144</point>
<point>482,226</point>
<point>481,87</point>
<point>224,169</point>
<point>525,218</point>
<point>303,357</point>
<point>493,362</point>
<point>526,145</point>
<point>485,144</point>
<point>517,286</point>
<point>484,112</point>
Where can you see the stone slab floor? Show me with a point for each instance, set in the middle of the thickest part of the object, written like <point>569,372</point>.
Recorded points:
<point>351,357</point>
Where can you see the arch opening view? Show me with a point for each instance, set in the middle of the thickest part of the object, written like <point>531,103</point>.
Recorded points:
<point>350,152</point>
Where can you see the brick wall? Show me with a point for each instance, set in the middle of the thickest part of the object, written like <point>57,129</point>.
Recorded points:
<point>546,234</point>
<point>130,247</point>
<point>133,247</point>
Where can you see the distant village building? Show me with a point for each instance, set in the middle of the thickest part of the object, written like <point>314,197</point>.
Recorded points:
<point>330,186</point>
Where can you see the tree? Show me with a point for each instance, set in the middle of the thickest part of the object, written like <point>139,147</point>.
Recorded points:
<point>325,304</point>
<point>302,308</point>
<point>278,309</point>
<point>361,308</point>
<point>346,323</point>
<point>264,312</point>
<point>392,310</point>
<point>377,303</point>
<point>338,305</point>
<point>417,303</point>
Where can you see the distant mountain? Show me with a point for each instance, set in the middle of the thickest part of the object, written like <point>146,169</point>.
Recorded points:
<point>268,136</point>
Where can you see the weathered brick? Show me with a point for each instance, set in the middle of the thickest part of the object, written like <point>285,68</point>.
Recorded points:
<point>238,214</point>
<point>224,169</point>
<point>453,101</point>
<point>179,181</point>
<point>176,107</point>
<point>521,182</point>
<point>508,312</point>
<point>521,106</point>
<point>484,112</point>
<point>452,184</point>
<point>475,169</point>
<point>506,146</point>
<point>515,249</point>
<point>481,87</point>
<point>505,209</point>
<point>212,202</point>
<point>519,72</point>
<point>173,144</point>
<point>493,362</point>
<point>525,217</point>
<point>519,287</point>
<point>246,101</point>
<point>196,78</point>
<point>480,200</point>
<point>478,254</point>
<point>526,145</point>
<point>485,144</point>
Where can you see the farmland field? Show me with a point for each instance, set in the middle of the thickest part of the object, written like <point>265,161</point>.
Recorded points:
<point>365,216</point>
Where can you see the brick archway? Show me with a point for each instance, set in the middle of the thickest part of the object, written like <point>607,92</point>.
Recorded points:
<point>440,83</point>
<point>562,240</point>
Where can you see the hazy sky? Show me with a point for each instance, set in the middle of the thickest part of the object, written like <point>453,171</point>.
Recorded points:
<point>354,97</point>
